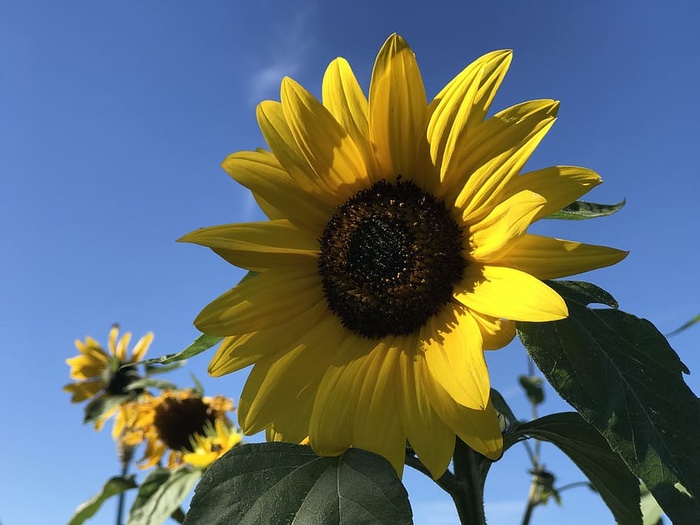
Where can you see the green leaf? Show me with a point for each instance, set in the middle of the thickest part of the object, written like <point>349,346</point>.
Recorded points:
<point>202,343</point>
<point>287,483</point>
<point>165,500</point>
<point>533,388</point>
<point>149,486</point>
<point>621,375</point>
<point>686,325</point>
<point>112,487</point>
<point>584,445</point>
<point>99,407</point>
<point>581,210</point>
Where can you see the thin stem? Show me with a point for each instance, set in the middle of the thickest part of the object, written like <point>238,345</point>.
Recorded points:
<point>573,486</point>
<point>120,505</point>
<point>531,501</point>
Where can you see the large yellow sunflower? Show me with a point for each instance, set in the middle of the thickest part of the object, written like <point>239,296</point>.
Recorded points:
<point>99,373</point>
<point>395,253</point>
<point>170,423</point>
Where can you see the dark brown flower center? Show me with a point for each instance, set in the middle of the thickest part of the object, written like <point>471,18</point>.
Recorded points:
<point>178,420</point>
<point>390,257</point>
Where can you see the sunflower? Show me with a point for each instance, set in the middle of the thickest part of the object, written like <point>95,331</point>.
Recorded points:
<point>169,422</point>
<point>98,373</point>
<point>214,443</point>
<point>395,253</point>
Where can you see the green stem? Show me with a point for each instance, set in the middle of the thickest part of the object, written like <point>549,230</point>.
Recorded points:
<point>470,499</point>
<point>120,505</point>
<point>465,486</point>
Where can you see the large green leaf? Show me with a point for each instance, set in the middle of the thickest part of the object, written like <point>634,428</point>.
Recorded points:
<point>171,489</point>
<point>580,210</point>
<point>604,468</point>
<point>199,345</point>
<point>287,483</point>
<point>112,487</point>
<point>622,376</point>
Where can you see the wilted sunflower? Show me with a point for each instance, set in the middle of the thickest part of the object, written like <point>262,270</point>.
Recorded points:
<point>99,373</point>
<point>215,442</point>
<point>395,253</point>
<point>170,421</point>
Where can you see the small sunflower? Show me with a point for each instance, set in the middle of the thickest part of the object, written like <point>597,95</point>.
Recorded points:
<point>98,373</point>
<point>171,421</point>
<point>395,253</point>
<point>211,445</point>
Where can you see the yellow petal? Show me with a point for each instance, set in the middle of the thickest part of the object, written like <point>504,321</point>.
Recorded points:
<point>83,368</point>
<point>462,104</point>
<point>509,294</point>
<point>258,245</point>
<point>84,390</point>
<point>122,347</point>
<point>275,128</point>
<point>559,185</point>
<point>92,350</point>
<point>260,172</point>
<point>494,153</point>
<point>139,351</point>
<point>451,343</point>
<point>334,411</point>
<point>343,97</point>
<point>112,340</point>
<point>428,435</point>
<point>377,425</point>
<point>397,108</point>
<point>329,151</point>
<point>260,302</point>
<point>480,429</point>
<point>240,351</point>
<point>496,333</point>
<point>495,234</point>
<point>280,386</point>
<point>549,258</point>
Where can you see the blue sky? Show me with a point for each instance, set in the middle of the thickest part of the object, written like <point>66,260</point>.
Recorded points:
<point>114,117</point>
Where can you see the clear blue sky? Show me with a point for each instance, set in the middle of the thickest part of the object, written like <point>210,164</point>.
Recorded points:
<point>114,117</point>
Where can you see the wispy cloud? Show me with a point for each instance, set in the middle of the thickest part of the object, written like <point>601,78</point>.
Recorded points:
<point>285,56</point>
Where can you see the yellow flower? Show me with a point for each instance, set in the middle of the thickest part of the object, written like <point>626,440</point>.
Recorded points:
<point>212,445</point>
<point>169,422</point>
<point>98,373</point>
<point>395,253</point>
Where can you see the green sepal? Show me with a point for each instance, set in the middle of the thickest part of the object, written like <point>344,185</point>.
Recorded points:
<point>114,486</point>
<point>584,445</point>
<point>506,417</point>
<point>287,483</point>
<point>622,376</point>
<point>165,494</point>
<point>98,407</point>
<point>581,210</point>
<point>147,382</point>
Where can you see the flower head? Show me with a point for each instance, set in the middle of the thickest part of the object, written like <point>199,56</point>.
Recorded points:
<point>170,422</point>
<point>395,253</point>
<point>98,373</point>
<point>214,443</point>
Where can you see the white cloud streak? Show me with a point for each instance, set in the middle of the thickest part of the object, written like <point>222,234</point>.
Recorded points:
<point>285,58</point>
